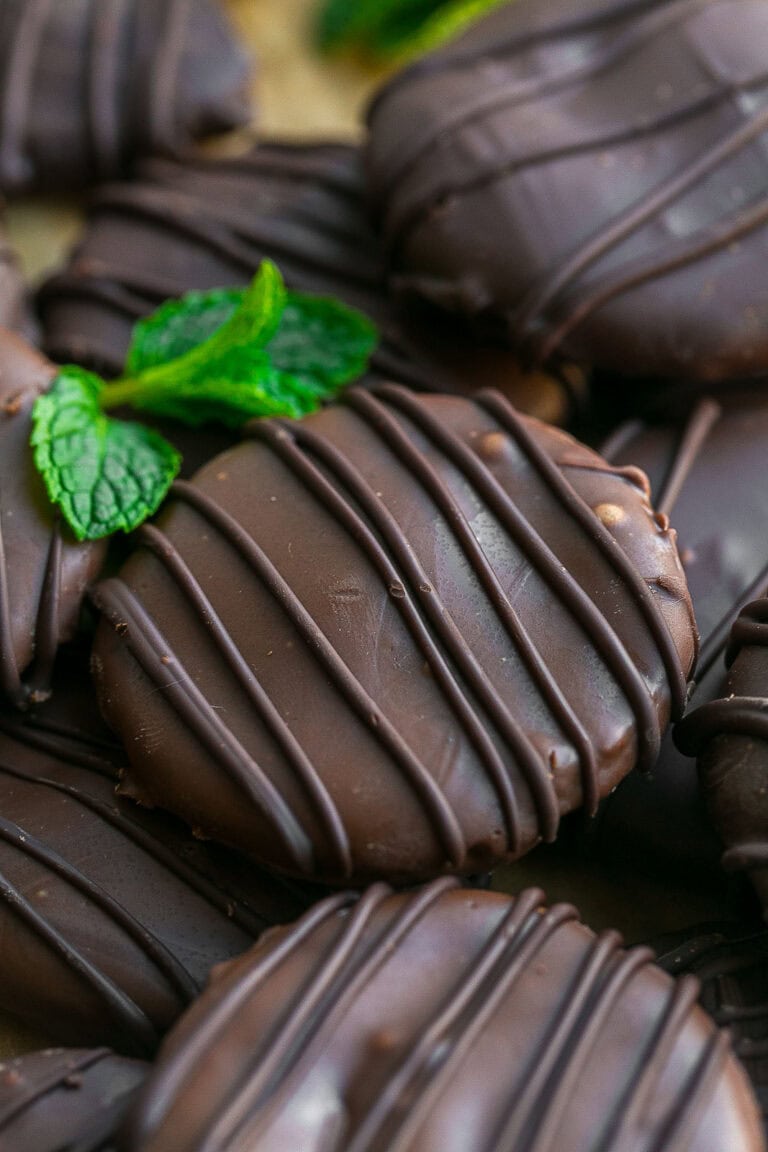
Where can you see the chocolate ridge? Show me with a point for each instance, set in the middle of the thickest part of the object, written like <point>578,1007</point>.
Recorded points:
<point>36,685</point>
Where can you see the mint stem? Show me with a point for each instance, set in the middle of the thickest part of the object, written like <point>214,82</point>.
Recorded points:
<point>129,389</point>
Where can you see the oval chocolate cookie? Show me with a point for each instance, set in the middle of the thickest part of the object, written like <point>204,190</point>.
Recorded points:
<point>85,85</point>
<point>444,1020</point>
<point>110,916</point>
<point>589,179</point>
<point>397,638</point>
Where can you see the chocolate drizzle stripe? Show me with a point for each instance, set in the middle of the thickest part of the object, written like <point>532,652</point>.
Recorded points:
<point>18,88</point>
<point>172,1075</point>
<point>568,592</point>
<point>177,977</point>
<point>413,583</point>
<point>251,923</point>
<point>303,769</point>
<point>232,234</point>
<point>435,804</point>
<point>535,769</point>
<point>460,1018</point>
<point>751,628</point>
<point>528,319</point>
<point>632,1108</point>
<point>698,427</point>
<point>676,254</point>
<point>324,998</point>
<point>594,528</point>
<point>164,77</point>
<point>106,18</point>
<point>736,715</point>
<point>57,1079</point>
<point>47,622</point>
<point>533,1128</point>
<point>148,647</point>
<point>135,1029</point>
<point>503,97</point>
<point>436,63</point>
<point>74,747</point>
<point>684,1113</point>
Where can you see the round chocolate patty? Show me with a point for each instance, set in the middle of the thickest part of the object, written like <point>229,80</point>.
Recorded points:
<point>398,638</point>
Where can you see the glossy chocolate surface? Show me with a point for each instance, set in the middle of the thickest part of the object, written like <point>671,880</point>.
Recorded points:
<point>65,1099</point>
<point>43,570</point>
<point>86,85</point>
<point>207,224</point>
<point>731,961</point>
<point>445,1019</point>
<point>707,473</point>
<point>400,637</point>
<point>729,735</point>
<point>589,179</point>
<point>110,916</point>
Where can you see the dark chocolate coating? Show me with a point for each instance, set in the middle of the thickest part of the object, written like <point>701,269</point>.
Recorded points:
<point>444,1020</point>
<point>589,179</point>
<point>210,223</point>
<point>729,735</point>
<point>86,85</point>
<point>43,571</point>
<point>708,474</point>
<point>397,638</point>
<point>110,916</point>
<point>65,1099</point>
<point>731,961</point>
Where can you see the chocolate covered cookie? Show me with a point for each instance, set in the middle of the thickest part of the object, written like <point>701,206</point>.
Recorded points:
<point>65,1100</point>
<point>398,638</point>
<point>707,474</point>
<point>110,916</point>
<point>729,735</point>
<point>446,1020</point>
<point>731,961</point>
<point>86,85</point>
<point>43,570</point>
<point>209,223</point>
<point>589,180</point>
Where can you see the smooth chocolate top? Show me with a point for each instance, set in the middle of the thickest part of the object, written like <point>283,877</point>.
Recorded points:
<point>444,1019</point>
<point>397,638</point>
<point>110,916</point>
<point>86,85</point>
<point>210,223</point>
<point>43,570</point>
<point>729,735</point>
<point>65,1099</point>
<point>731,961</point>
<point>589,178</point>
<point>707,473</point>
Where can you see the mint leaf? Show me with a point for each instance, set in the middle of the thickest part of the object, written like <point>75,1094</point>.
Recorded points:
<point>104,474</point>
<point>178,326</point>
<point>395,28</point>
<point>317,347</point>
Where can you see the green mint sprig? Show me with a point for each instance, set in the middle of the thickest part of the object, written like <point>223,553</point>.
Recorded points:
<point>226,356</point>
<point>387,30</point>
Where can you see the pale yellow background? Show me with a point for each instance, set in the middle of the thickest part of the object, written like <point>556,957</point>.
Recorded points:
<point>298,94</point>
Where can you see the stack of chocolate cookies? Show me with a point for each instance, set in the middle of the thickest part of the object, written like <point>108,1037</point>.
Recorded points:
<point>261,762</point>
